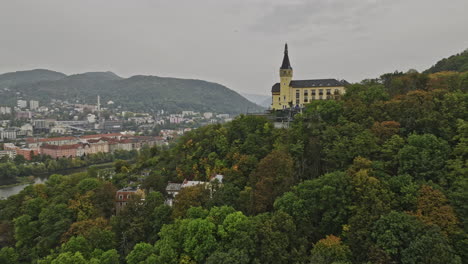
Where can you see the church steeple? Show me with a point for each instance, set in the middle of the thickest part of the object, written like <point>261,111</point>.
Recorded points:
<point>286,64</point>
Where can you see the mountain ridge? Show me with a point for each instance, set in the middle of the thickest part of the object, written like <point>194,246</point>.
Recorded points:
<point>136,93</point>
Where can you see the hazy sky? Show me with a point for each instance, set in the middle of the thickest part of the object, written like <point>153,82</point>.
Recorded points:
<point>237,43</point>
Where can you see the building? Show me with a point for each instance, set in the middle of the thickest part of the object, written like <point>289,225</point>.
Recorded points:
<point>94,146</point>
<point>23,115</point>
<point>173,189</point>
<point>22,103</point>
<point>58,141</point>
<point>60,129</point>
<point>9,153</point>
<point>122,197</point>
<point>27,153</point>
<point>5,110</point>
<point>112,125</point>
<point>297,93</point>
<point>68,151</point>
<point>26,130</point>
<point>207,115</point>
<point>9,133</point>
<point>33,104</point>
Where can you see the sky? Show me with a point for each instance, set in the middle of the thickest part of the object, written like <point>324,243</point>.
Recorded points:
<point>237,43</point>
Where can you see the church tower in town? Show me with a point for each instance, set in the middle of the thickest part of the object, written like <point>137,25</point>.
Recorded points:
<point>286,74</point>
<point>298,93</point>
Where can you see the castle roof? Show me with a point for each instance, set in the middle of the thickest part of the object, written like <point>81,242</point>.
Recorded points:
<point>311,84</point>
<point>286,64</point>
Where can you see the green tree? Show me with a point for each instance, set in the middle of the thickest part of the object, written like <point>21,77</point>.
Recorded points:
<point>394,232</point>
<point>424,158</point>
<point>69,258</point>
<point>140,253</point>
<point>432,248</point>
<point>8,255</point>
<point>330,250</point>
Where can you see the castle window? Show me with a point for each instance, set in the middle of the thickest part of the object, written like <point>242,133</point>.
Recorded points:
<point>320,97</point>
<point>328,91</point>
<point>337,92</point>
<point>298,94</point>
<point>320,92</point>
<point>313,92</point>
<point>313,97</point>
<point>306,92</point>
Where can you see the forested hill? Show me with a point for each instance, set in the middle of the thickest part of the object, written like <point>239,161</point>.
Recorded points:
<point>138,93</point>
<point>379,176</point>
<point>12,79</point>
<point>458,63</point>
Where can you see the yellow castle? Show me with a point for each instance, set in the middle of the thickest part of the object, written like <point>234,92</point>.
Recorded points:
<point>297,93</point>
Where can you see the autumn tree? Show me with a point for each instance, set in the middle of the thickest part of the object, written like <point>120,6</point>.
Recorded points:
<point>273,176</point>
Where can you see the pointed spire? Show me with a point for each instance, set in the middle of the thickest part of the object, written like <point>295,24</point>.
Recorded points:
<point>286,64</point>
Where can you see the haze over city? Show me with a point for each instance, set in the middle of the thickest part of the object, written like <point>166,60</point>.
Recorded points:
<point>236,43</point>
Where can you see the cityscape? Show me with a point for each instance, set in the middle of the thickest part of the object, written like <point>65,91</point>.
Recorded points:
<point>234,132</point>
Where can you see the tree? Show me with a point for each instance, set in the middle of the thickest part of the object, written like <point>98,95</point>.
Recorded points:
<point>424,157</point>
<point>8,256</point>
<point>272,177</point>
<point>432,248</point>
<point>232,256</point>
<point>322,205</point>
<point>69,258</point>
<point>237,232</point>
<point>140,253</point>
<point>433,209</point>
<point>394,232</point>
<point>189,197</point>
<point>330,250</point>
<point>277,239</point>
<point>77,244</point>
<point>199,239</point>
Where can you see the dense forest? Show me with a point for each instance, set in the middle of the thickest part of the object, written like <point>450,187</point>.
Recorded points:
<point>379,176</point>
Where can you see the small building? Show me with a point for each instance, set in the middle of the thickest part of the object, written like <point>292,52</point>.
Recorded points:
<point>10,153</point>
<point>122,197</point>
<point>172,189</point>
<point>33,104</point>
<point>22,103</point>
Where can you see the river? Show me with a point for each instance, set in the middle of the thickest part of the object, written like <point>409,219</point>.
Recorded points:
<point>9,191</point>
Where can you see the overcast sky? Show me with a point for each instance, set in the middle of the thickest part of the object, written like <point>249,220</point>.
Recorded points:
<point>238,43</point>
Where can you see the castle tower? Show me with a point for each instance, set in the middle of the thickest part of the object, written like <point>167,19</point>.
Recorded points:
<point>286,74</point>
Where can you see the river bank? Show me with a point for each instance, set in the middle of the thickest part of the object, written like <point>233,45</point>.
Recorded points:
<point>12,189</point>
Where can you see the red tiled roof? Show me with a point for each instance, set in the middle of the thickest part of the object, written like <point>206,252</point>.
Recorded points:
<point>73,146</point>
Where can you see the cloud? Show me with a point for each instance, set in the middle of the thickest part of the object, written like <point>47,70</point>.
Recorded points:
<point>318,17</point>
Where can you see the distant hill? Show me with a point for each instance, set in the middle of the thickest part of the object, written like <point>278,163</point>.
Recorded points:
<point>260,99</point>
<point>137,93</point>
<point>32,76</point>
<point>458,63</point>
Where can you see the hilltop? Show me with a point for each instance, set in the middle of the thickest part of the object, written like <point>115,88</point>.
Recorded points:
<point>458,63</point>
<point>137,93</point>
